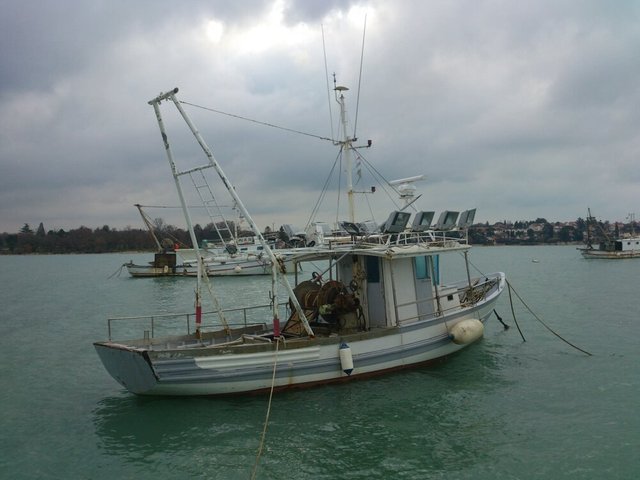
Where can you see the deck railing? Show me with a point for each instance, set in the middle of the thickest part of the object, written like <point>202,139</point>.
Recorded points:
<point>467,297</point>
<point>431,237</point>
<point>188,319</point>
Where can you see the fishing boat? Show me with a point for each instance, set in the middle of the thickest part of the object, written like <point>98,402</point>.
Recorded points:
<point>607,247</point>
<point>236,256</point>
<point>380,302</point>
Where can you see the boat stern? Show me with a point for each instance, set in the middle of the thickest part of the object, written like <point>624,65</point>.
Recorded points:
<point>129,366</point>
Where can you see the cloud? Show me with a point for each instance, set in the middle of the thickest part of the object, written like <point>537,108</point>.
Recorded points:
<point>523,110</point>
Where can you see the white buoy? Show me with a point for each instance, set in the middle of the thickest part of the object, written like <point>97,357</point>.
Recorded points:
<point>466,331</point>
<point>346,359</point>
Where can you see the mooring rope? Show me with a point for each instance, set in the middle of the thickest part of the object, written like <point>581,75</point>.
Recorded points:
<point>117,272</point>
<point>513,312</point>
<point>510,288</point>
<point>266,420</point>
<point>544,324</point>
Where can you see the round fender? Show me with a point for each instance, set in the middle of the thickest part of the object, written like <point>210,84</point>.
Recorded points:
<point>466,331</point>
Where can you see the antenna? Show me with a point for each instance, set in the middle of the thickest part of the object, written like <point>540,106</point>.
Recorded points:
<point>326,76</point>
<point>355,123</point>
<point>406,189</point>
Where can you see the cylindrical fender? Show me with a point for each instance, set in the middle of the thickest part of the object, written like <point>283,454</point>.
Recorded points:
<point>346,359</point>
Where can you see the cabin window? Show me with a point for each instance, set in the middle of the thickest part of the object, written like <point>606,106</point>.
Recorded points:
<point>373,269</point>
<point>424,269</point>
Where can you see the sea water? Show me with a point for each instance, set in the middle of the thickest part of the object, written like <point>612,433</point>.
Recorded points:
<point>502,408</point>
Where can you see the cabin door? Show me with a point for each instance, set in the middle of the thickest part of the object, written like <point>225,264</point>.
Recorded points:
<point>375,294</point>
<point>424,287</point>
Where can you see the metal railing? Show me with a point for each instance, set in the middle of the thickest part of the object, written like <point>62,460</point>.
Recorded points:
<point>467,297</point>
<point>189,319</point>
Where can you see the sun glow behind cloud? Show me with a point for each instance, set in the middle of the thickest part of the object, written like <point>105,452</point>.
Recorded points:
<point>214,30</point>
<point>271,31</point>
<point>266,33</point>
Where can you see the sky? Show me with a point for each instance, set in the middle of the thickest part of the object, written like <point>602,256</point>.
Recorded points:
<point>519,109</point>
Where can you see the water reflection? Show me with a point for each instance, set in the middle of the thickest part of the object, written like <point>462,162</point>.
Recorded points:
<point>424,421</point>
<point>181,435</point>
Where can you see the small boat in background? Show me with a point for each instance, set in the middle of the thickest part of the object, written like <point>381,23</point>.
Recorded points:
<point>607,247</point>
<point>238,256</point>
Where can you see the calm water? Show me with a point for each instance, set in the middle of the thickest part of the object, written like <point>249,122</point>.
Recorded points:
<point>501,409</point>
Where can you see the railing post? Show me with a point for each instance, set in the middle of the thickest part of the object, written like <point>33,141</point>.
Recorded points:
<point>152,328</point>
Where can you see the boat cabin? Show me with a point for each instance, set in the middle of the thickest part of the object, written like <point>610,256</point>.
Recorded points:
<point>386,280</point>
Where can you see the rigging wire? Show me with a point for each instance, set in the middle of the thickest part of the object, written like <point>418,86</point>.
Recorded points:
<point>384,183</point>
<point>266,420</point>
<point>257,121</point>
<point>355,123</point>
<point>326,76</point>
<point>323,192</point>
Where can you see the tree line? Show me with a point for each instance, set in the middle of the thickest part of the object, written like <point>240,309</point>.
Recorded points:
<point>106,239</point>
<point>100,240</point>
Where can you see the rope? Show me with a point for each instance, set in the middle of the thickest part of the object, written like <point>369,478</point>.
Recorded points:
<point>506,327</point>
<point>513,312</point>
<point>117,272</point>
<point>257,121</point>
<point>544,324</point>
<point>266,420</point>
<point>510,288</point>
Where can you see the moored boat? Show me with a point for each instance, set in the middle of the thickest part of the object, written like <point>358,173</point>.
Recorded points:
<point>238,256</point>
<point>380,303</point>
<point>609,248</point>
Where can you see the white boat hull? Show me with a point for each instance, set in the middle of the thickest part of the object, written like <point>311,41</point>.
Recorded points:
<point>611,255</point>
<point>230,268</point>
<point>248,368</point>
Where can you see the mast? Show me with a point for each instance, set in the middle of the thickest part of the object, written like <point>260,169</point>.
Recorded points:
<point>147,222</point>
<point>213,163</point>
<point>194,241</point>
<point>346,147</point>
<point>632,220</point>
<point>589,220</point>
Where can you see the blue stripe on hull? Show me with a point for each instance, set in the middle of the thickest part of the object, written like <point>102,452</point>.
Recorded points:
<point>175,376</point>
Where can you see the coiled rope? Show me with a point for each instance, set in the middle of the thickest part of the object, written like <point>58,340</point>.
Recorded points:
<point>266,420</point>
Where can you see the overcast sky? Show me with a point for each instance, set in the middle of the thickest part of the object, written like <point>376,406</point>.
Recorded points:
<point>521,109</point>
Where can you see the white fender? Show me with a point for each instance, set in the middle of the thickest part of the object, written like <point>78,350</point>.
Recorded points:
<point>466,331</point>
<point>237,269</point>
<point>346,359</point>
